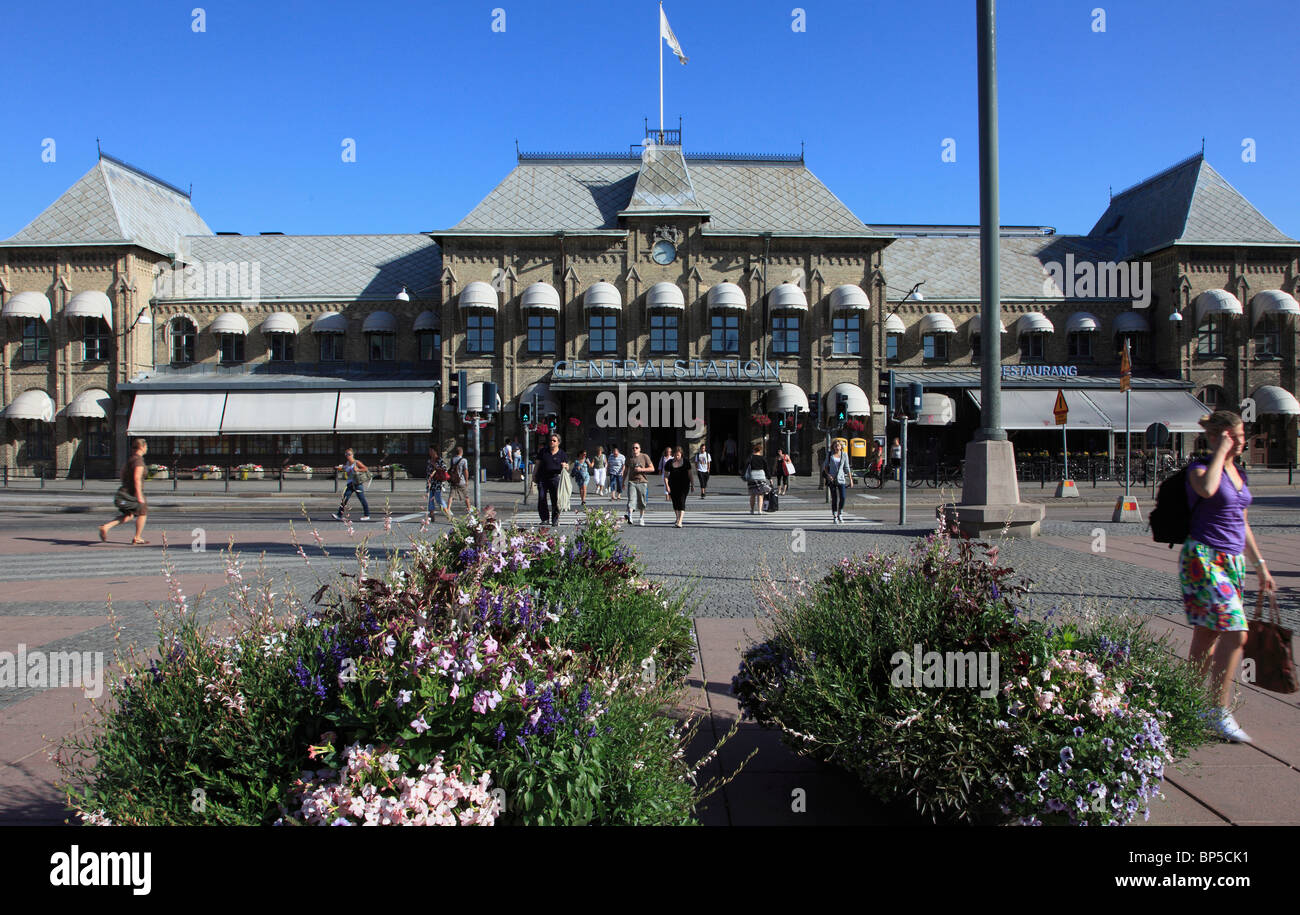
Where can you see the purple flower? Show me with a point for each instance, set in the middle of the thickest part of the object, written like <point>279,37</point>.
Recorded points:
<point>500,733</point>
<point>1078,732</point>
<point>1066,754</point>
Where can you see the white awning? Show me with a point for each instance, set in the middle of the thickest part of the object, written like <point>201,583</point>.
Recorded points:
<point>541,295</point>
<point>787,397</point>
<point>1273,302</point>
<point>665,295</point>
<point>92,403</point>
<point>474,397</point>
<point>269,412</point>
<point>384,411</point>
<point>90,305</point>
<point>1216,302</point>
<point>380,322</point>
<point>937,323</point>
<point>1178,410</point>
<point>937,410</point>
<point>849,296</point>
<point>1032,409</point>
<point>330,323</point>
<point>281,322</point>
<point>1082,322</point>
<point>858,403</point>
<point>540,394</point>
<point>1033,322</point>
<point>1270,399</point>
<point>977,321</point>
<point>602,295</point>
<point>196,413</point>
<point>427,320</point>
<point>726,295</point>
<point>35,405</point>
<point>1130,322</point>
<point>787,297</point>
<point>229,323</point>
<point>894,325</point>
<point>478,295</point>
<point>27,305</point>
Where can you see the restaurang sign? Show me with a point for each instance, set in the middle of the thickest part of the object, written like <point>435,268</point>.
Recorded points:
<point>1040,371</point>
<point>687,370</point>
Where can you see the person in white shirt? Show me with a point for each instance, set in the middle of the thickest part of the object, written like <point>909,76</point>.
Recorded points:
<point>703,461</point>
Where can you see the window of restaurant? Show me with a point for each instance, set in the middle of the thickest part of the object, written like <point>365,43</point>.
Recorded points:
<point>382,346</point>
<point>935,347</point>
<point>282,347</point>
<point>1078,345</point>
<point>331,347</point>
<point>891,347</point>
<point>183,334</point>
<point>1033,347</point>
<point>232,348</point>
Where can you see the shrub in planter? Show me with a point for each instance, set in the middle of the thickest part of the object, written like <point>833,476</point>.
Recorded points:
<point>973,732</point>
<point>459,677</point>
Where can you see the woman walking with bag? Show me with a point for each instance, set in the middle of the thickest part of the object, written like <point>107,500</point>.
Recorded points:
<point>1212,565</point>
<point>435,475</point>
<point>129,500</point>
<point>677,477</point>
<point>756,475</point>
<point>581,474</point>
<point>838,478</point>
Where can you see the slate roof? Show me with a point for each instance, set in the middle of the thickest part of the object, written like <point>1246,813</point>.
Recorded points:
<point>664,184</point>
<point>1188,203</point>
<point>117,203</point>
<point>951,266</point>
<point>335,267</point>
<point>585,193</point>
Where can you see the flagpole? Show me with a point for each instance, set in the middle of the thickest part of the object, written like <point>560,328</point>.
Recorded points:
<point>660,51</point>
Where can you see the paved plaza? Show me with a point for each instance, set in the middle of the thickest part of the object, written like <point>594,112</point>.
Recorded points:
<point>58,580</point>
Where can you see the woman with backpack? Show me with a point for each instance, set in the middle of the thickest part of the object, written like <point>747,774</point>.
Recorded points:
<point>435,475</point>
<point>1212,565</point>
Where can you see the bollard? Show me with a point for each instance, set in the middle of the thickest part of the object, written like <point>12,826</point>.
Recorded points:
<point>226,474</point>
<point>392,478</point>
<point>281,479</point>
<point>40,473</point>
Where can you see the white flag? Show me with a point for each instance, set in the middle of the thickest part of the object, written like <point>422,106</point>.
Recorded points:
<point>666,33</point>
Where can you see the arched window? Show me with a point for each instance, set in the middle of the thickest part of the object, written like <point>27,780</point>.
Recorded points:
<point>1212,396</point>
<point>183,333</point>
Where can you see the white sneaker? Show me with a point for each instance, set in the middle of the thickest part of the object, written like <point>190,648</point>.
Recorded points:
<point>1225,725</point>
<point>643,520</point>
<point>338,517</point>
<point>365,517</point>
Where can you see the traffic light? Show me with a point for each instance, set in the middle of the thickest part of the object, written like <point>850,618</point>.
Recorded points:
<point>459,391</point>
<point>841,409</point>
<point>886,393</point>
<point>912,402</point>
<point>489,404</point>
<point>525,413</point>
<point>552,422</point>
<point>789,419</point>
<point>814,407</point>
<point>780,422</point>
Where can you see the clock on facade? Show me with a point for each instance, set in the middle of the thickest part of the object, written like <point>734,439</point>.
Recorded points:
<point>664,252</point>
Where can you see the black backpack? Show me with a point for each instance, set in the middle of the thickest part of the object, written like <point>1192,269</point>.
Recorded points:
<point>1171,519</point>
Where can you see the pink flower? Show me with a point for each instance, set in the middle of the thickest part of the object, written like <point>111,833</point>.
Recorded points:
<point>455,692</point>
<point>419,725</point>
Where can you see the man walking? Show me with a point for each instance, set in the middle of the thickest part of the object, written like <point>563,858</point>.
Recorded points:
<point>130,496</point>
<point>639,466</point>
<point>729,455</point>
<point>616,464</point>
<point>552,465</point>
<point>703,463</point>
<point>460,478</point>
<point>352,469</point>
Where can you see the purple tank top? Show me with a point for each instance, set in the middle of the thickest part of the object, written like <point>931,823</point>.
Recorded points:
<point>1218,521</point>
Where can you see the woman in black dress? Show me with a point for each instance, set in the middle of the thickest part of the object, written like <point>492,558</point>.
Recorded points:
<point>756,475</point>
<point>679,483</point>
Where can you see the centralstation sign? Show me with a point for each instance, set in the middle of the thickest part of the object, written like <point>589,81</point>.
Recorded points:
<point>682,370</point>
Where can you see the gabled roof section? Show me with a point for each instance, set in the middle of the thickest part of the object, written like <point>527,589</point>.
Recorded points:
<point>1188,204</point>
<point>588,192</point>
<point>664,184</point>
<point>117,203</point>
<point>316,267</point>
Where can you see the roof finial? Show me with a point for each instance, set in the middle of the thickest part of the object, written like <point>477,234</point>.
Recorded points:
<point>98,152</point>
<point>801,150</point>
<point>1202,147</point>
<point>1111,189</point>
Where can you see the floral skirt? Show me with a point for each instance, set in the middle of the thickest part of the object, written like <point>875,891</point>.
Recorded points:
<point>1212,581</point>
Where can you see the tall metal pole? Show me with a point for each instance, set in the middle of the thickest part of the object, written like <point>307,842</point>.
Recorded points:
<point>991,318</point>
<point>902,473</point>
<point>659,50</point>
<point>477,463</point>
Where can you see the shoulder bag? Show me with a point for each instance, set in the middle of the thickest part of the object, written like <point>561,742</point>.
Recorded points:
<point>1269,646</point>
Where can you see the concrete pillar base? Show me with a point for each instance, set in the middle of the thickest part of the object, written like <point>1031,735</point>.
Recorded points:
<point>1067,490</point>
<point>1126,510</point>
<point>990,500</point>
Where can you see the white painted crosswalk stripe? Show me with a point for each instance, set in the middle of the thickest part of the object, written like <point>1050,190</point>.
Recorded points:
<point>726,518</point>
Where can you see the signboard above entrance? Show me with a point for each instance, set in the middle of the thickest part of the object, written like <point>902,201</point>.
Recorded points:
<point>1040,371</point>
<point>689,371</point>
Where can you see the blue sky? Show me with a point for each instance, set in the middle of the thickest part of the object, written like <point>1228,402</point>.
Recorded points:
<point>253,111</point>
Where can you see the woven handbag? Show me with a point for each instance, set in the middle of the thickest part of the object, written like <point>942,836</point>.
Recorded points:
<point>1269,646</point>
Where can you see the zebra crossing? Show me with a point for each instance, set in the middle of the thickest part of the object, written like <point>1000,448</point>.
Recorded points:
<point>731,517</point>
